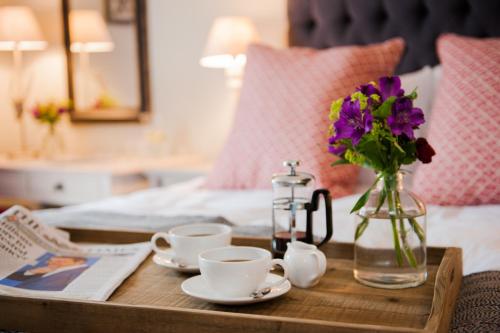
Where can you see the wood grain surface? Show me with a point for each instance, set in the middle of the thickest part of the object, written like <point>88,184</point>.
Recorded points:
<point>151,300</point>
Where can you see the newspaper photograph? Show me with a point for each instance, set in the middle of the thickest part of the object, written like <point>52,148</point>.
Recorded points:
<point>39,260</point>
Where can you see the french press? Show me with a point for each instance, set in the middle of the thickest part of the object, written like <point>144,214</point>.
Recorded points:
<point>294,201</point>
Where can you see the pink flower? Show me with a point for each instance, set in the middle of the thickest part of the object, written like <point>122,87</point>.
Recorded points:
<point>36,112</point>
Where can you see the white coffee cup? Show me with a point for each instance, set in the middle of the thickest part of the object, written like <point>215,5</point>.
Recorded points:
<point>190,240</point>
<point>238,271</point>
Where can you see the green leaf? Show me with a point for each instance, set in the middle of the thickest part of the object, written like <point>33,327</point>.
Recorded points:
<point>410,152</point>
<point>364,198</point>
<point>361,228</point>
<point>396,144</point>
<point>361,201</point>
<point>413,95</point>
<point>372,149</point>
<point>384,110</point>
<point>381,199</point>
<point>340,162</point>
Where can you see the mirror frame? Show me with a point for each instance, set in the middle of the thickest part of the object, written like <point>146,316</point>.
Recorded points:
<point>144,112</point>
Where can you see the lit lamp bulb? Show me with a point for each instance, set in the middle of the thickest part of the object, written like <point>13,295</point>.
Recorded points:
<point>227,42</point>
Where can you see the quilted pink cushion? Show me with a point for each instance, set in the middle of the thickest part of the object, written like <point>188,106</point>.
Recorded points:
<point>465,126</point>
<point>283,112</point>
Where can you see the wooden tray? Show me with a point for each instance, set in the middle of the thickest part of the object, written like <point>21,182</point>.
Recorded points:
<point>151,300</point>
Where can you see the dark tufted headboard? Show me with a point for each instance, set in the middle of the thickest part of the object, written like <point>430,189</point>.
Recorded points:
<point>326,23</point>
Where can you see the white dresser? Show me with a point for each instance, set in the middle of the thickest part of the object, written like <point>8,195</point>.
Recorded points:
<point>79,181</point>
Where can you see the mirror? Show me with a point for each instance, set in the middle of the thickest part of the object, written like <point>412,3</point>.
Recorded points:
<point>107,60</point>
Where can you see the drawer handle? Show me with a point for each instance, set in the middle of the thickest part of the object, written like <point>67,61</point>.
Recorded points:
<point>59,187</point>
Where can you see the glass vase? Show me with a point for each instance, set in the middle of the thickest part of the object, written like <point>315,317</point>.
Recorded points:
<point>52,144</point>
<point>390,239</point>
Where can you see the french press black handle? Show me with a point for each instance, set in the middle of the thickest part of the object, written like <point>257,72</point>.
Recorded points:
<point>312,207</point>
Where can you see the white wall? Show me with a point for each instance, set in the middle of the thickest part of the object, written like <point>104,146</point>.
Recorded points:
<point>190,103</point>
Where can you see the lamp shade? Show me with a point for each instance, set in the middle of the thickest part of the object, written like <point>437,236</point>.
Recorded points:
<point>88,32</point>
<point>19,29</point>
<point>227,42</point>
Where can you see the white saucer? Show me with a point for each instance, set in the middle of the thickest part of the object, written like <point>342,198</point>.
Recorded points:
<point>165,260</point>
<point>197,288</point>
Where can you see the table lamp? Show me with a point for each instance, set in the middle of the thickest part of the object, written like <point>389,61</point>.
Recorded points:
<point>19,31</point>
<point>88,34</point>
<point>227,42</point>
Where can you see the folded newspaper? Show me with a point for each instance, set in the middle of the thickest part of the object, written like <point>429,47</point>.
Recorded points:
<point>39,260</point>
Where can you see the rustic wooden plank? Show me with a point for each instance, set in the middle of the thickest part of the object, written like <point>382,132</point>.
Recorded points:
<point>446,290</point>
<point>151,300</point>
<point>336,298</point>
<point>35,315</point>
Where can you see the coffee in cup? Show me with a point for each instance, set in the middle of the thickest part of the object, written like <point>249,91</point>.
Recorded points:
<point>190,240</point>
<point>238,271</point>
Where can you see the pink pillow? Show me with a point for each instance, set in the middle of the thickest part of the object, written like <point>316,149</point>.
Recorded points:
<point>465,126</point>
<point>283,112</point>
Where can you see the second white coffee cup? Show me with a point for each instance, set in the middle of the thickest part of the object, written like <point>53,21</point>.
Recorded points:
<point>188,241</point>
<point>237,271</point>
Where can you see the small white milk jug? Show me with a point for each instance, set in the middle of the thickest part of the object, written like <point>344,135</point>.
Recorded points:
<point>306,264</point>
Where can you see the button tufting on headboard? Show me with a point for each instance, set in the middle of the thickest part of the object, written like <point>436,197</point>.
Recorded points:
<point>310,25</point>
<point>326,23</point>
<point>422,11</point>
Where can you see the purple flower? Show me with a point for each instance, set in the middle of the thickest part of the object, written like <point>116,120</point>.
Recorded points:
<point>404,118</point>
<point>352,123</point>
<point>36,112</point>
<point>61,110</point>
<point>390,86</point>
<point>368,90</point>
<point>337,149</point>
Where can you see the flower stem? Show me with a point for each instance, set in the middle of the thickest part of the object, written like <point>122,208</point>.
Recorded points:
<point>390,202</point>
<point>417,228</point>
<point>364,223</point>
<point>407,248</point>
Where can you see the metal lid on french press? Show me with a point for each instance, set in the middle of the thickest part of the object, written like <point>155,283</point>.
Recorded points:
<point>292,178</point>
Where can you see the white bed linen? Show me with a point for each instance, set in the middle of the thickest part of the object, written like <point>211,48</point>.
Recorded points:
<point>476,229</point>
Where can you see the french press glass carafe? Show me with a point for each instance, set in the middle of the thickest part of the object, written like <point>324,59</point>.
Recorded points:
<point>294,201</point>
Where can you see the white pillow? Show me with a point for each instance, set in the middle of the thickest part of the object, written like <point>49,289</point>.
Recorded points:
<point>423,80</point>
<point>436,78</point>
<point>437,72</point>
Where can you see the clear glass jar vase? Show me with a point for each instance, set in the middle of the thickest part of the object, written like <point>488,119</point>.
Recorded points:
<point>390,239</point>
<point>52,144</point>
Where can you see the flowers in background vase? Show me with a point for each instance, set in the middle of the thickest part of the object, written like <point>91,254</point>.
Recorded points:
<point>375,127</point>
<point>106,101</point>
<point>50,113</point>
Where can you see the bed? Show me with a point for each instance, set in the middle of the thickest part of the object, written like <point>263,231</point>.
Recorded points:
<point>322,24</point>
